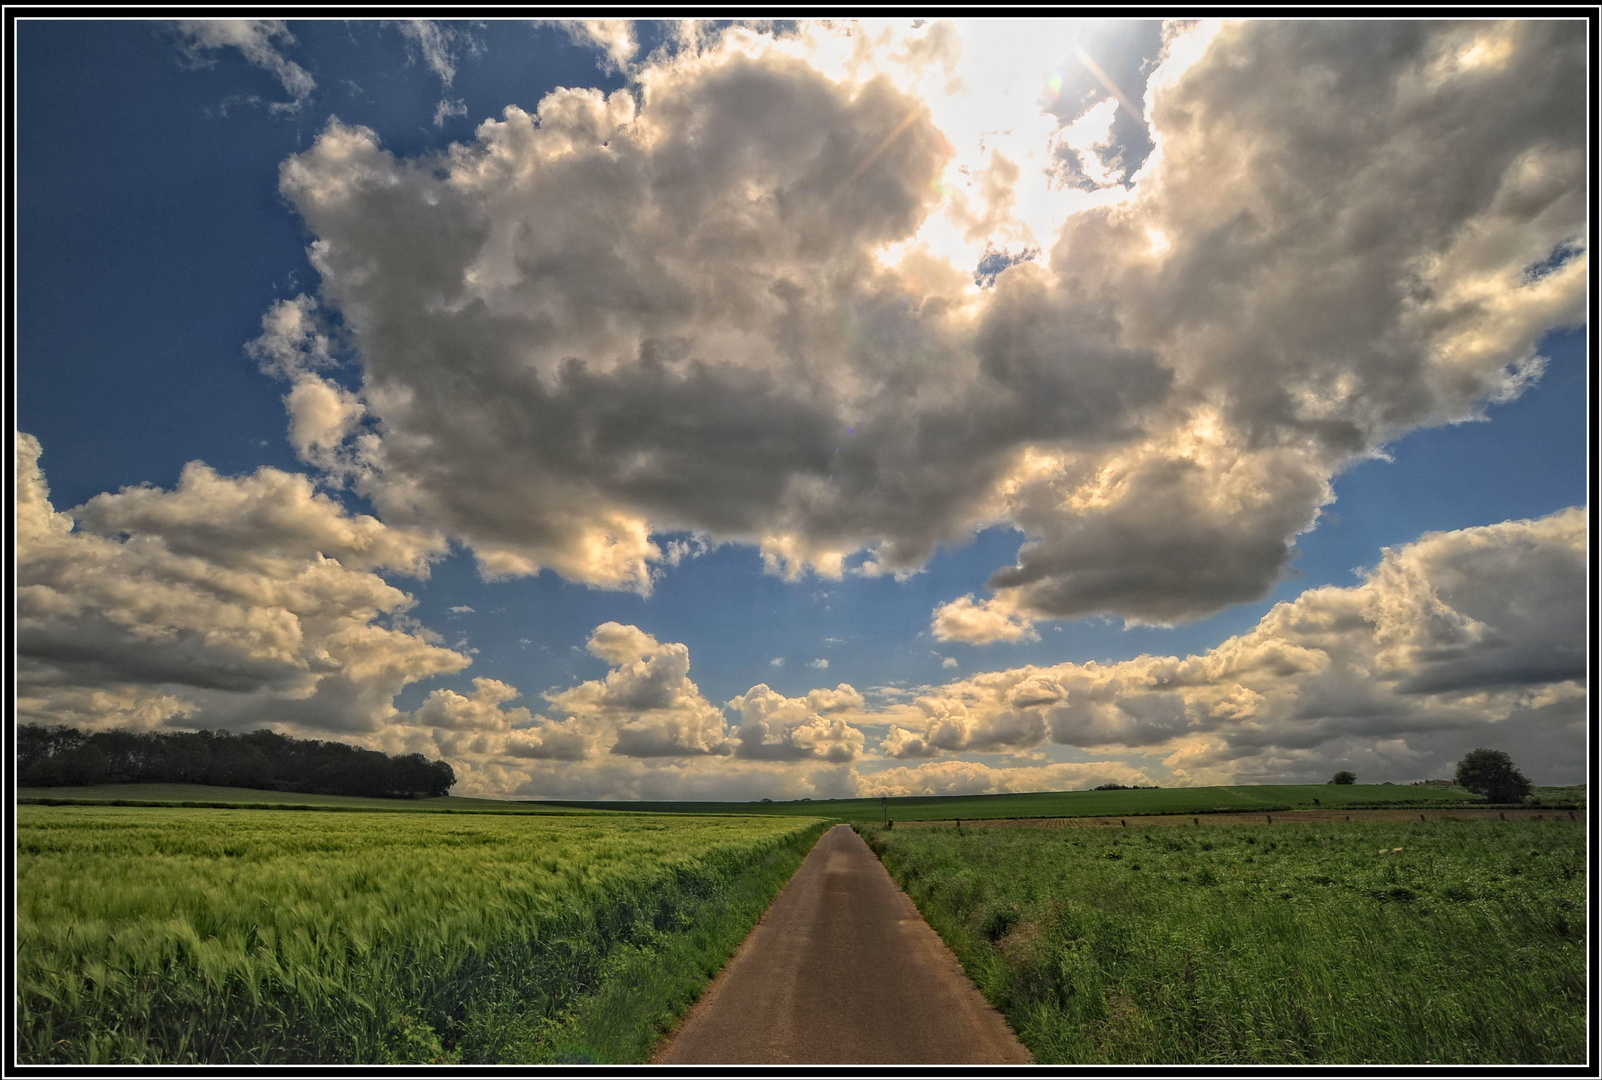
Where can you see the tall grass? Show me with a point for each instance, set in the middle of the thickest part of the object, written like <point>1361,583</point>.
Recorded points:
<point>1438,942</point>
<point>171,935</point>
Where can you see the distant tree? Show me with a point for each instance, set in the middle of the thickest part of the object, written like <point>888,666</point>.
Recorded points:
<point>1344,777</point>
<point>1491,773</point>
<point>52,756</point>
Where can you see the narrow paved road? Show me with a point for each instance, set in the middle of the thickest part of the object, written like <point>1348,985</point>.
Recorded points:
<point>842,970</point>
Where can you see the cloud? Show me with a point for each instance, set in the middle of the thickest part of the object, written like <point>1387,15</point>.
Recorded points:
<point>436,43</point>
<point>446,109</point>
<point>254,38</point>
<point>1459,639</point>
<point>949,662</point>
<point>981,622</point>
<point>821,663</point>
<point>479,727</point>
<point>739,301</point>
<point>775,727</point>
<point>230,602</point>
<point>613,37</point>
<point>646,704</point>
<point>974,778</point>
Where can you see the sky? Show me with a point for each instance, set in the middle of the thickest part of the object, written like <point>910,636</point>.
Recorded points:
<point>725,411</point>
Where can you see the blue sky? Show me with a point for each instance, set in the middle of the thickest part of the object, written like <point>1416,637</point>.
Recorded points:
<point>1152,392</point>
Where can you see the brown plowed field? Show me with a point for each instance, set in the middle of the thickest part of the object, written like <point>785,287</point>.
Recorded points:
<point>1276,817</point>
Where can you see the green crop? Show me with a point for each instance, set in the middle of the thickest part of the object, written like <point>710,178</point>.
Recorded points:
<point>1438,942</point>
<point>188,935</point>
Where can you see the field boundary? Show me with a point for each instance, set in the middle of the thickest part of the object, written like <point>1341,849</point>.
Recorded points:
<point>1266,817</point>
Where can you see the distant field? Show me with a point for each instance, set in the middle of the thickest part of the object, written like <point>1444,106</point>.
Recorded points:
<point>1422,943</point>
<point>1082,803</point>
<point>917,808</point>
<point>158,935</point>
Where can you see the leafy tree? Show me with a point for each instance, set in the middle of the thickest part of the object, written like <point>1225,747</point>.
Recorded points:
<point>1344,777</point>
<point>1491,773</point>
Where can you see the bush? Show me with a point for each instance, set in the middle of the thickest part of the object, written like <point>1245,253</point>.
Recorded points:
<point>1491,773</point>
<point>1344,777</point>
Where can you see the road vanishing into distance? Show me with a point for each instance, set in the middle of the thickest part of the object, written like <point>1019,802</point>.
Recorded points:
<point>842,970</point>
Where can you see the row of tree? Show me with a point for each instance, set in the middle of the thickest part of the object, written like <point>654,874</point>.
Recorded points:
<point>59,756</point>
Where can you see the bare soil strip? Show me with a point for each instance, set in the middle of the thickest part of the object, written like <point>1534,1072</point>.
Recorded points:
<point>1256,817</point>
<point>842,970</point>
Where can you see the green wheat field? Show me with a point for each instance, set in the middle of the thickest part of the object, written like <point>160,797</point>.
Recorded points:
<point>1438,942</point>
<point>246,927</point>
<point>178,935</point>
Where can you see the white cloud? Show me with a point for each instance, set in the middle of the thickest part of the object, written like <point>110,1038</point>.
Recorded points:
<point>254,38</point>
<point>225,602</point>
<point>439,44</point>
<point>775,727</point>
<point>446,109</point>
<point>614,38</point>
<point>820,663</point>
<point>974,778</point>
<point>436,42</point>
<point>646,704</point>
<point>949,662</point>
<point>1465,638</point>
<point>294,341</point>
<point>777,661</point>
<point>981,622</point>
<point>738,301</point>
<point>1458,639</point>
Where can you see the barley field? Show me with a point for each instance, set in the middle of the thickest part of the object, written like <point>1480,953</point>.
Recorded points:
<point>1424,943</point>
<point>169,935</point>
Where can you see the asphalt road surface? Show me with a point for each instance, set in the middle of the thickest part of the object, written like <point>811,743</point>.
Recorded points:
<point>842,970</point>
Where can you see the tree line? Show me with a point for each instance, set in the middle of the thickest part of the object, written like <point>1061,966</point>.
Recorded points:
<point>63,756</point>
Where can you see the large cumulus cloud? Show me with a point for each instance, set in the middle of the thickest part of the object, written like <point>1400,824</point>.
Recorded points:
<point>740,299</point>
<point>646,705</point>
<point>228,601</point>
<point>1464,638</point>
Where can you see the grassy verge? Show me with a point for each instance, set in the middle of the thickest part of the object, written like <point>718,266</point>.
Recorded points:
<point>194,936</point>
<point>1440,942</point>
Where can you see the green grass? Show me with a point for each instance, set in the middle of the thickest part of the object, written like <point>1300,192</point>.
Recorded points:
<point>160,935</point>
<point>1439,942</point>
